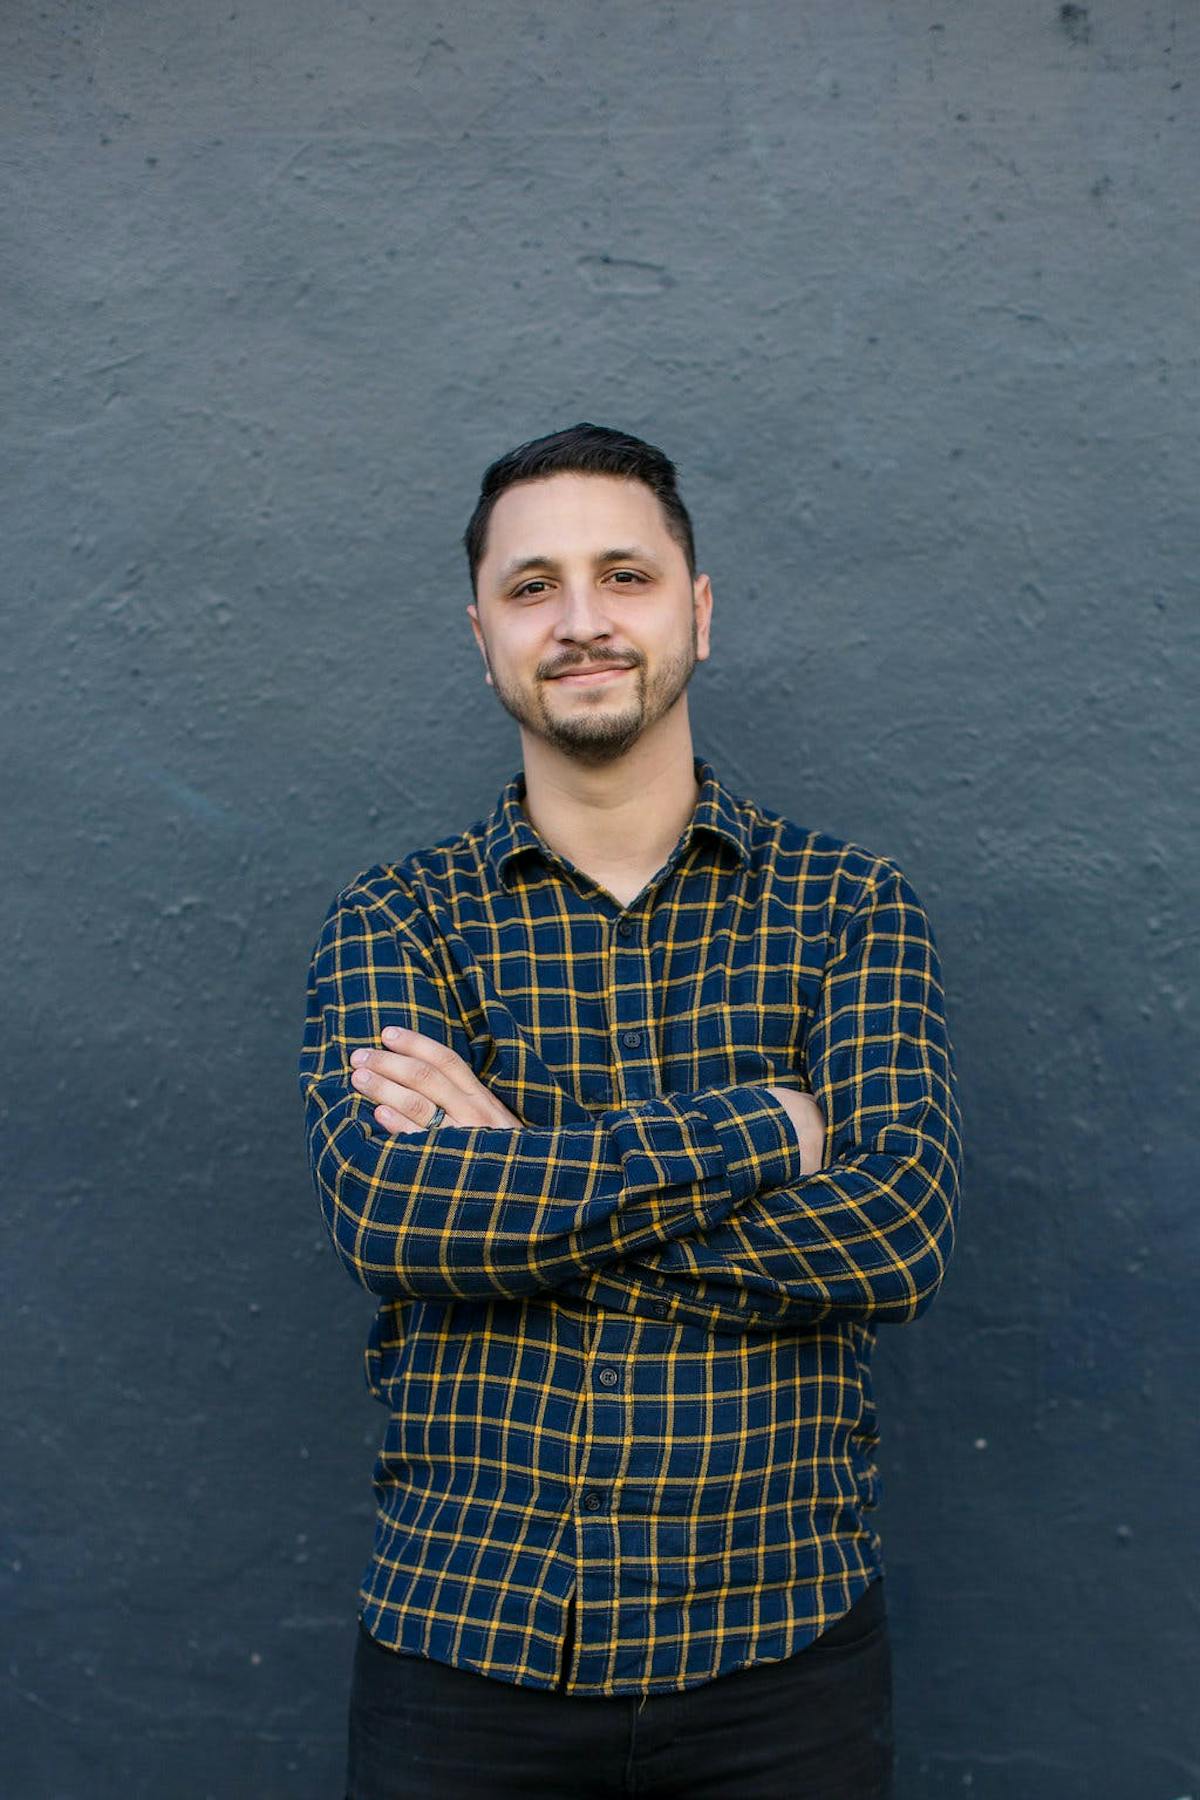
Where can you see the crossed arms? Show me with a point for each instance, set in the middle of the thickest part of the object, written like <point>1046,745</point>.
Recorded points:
<point>697,1201</point>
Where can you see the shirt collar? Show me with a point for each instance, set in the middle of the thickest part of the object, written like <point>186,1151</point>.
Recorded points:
<point>509,832</point>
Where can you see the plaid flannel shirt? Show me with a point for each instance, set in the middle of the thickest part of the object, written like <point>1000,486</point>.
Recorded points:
<point>625,1347</point>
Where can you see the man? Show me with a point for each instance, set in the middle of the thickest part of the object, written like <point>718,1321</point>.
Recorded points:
<point>635,1104</point>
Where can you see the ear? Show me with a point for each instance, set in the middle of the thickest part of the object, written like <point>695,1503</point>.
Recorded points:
<point>473,615</point>
<point>702,599</point>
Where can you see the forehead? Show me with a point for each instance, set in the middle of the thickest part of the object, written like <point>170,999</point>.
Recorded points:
<point>565,515</point>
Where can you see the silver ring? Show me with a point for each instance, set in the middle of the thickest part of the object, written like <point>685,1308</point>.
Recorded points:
<point>437,1118</point>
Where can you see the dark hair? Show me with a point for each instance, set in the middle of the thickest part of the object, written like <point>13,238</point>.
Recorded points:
<point>581,450</point>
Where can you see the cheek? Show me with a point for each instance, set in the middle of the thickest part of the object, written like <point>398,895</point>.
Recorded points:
<point>670,650</point>
<point>524,647</point>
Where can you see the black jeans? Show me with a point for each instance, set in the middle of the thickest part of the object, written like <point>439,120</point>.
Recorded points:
<point>817,1726</point>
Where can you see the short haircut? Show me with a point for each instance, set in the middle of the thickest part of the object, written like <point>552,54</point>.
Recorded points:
<point>581,450</point>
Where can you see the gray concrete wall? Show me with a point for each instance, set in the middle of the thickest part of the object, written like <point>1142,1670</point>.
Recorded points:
<point>909,290</point>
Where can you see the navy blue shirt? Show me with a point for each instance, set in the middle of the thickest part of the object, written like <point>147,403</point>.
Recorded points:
<point>625,1346</point>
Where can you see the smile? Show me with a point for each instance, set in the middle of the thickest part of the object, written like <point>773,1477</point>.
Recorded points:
<point>591,675</point>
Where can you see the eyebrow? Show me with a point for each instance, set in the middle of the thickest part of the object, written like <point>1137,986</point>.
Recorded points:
<point>631,553</point>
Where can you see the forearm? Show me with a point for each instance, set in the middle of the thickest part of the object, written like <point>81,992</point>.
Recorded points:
<point>643,1289</point>
<point>697,1199</point>
<point>867,1241</point>
<point>477,1210</point>
<point>868,1235</point>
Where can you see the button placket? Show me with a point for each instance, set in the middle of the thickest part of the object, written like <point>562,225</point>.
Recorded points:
<point>600,1468</point>
<point>630,1002</point>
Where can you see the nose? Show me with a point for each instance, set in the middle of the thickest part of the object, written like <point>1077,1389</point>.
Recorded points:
<point>583,614</point>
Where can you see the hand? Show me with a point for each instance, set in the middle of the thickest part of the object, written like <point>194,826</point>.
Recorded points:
<point>809,1121</point>
<point>417,1074</point>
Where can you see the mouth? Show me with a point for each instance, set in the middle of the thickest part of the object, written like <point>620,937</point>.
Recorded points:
<point>587,677</point>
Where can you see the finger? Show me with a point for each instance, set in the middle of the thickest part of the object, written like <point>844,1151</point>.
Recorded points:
<point>452,1084</point>
<point>457,1080</point>
<point>432,1070</point>
<point>407,1071</point>
<point>424,1064</point>
<point>410,1102</point>
<point>427,1049</point>
<point>395,1122</point>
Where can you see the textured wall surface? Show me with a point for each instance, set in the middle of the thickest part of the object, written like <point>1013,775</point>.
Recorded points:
<point>909,291</point>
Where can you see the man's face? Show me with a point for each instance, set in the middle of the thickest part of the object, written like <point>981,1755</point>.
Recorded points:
<point>581,574</point>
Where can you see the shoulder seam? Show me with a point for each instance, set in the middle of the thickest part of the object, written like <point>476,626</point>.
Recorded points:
<point>356,896</point>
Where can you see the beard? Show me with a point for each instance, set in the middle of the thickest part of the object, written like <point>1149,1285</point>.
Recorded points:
<point>603,733</point>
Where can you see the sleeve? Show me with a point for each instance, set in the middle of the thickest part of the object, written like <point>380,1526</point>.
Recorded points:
<point>868,1236</point>
<point>476,1210</point>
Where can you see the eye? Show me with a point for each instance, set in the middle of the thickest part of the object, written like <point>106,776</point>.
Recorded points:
<point>631,572</point>
<point>537,582</point>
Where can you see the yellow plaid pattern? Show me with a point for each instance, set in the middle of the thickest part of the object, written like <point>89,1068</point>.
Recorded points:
<point>625,1348</point>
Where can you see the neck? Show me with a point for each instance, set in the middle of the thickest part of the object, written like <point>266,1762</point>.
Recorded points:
<point>624,816</point>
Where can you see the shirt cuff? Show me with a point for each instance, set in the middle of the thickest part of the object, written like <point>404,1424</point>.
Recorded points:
<point>756,1135</point>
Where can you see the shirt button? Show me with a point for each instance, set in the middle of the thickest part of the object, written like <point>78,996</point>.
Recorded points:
<point>660,1309</point>
<point>608,1378</point>
<point>631,1038</point>
<point>624,927</point>
<point>593,1501</point>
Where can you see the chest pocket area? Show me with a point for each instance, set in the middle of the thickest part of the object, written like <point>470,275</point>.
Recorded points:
<point>746,1020</point>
